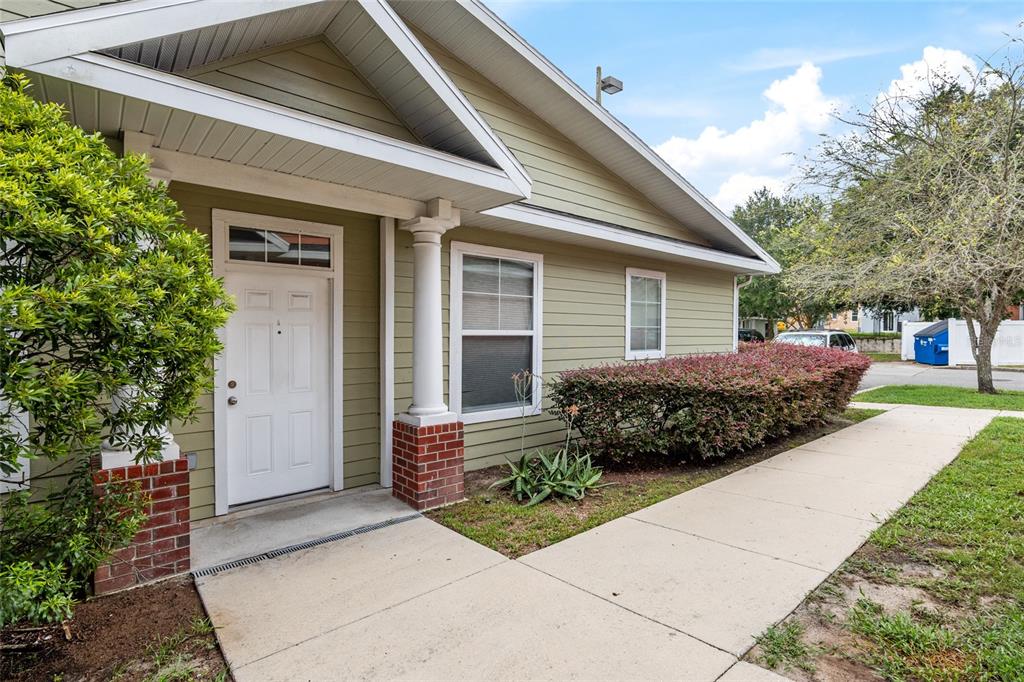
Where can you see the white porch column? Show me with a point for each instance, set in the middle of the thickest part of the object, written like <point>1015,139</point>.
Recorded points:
<point>428,405</point>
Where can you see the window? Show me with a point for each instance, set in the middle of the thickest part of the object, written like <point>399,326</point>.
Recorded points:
<point>282,248</point>
<point>888,322</point>
<point>835,340</point>
<point>495,331</point>
<point>645,314</point>
<point>854,314</point>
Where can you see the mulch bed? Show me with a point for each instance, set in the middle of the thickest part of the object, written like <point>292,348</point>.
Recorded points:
<point>112,637</point>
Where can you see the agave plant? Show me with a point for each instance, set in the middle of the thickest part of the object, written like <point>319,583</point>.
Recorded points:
<point>538,476</point>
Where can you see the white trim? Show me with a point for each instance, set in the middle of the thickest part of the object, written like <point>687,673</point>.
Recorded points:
<point>663,278</point>
<point>62,34</point>
<point>532,215</point>
<point>387,346</point>
<point>199,170</point>
<point>176,92</point>
<point>512,39</point>
<point>221,220</point>
<point>436,77</point>
<point>455,333</point>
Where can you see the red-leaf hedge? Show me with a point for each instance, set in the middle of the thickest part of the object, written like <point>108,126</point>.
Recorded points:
<point>707,405</point>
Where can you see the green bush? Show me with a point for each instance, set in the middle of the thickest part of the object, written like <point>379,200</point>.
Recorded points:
<point>100,289</point>
<point>103,293</point>
<point>50,549</point>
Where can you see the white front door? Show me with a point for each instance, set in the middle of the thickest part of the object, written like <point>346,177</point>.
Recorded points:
<point>278,379</point>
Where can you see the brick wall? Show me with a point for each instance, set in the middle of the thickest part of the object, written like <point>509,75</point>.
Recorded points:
<point>161,548</point>
<point>427,464</point>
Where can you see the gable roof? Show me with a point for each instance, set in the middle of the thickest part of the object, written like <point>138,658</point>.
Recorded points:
<point>164,41</point>
<point>158,41</point>
<point>478,37</point>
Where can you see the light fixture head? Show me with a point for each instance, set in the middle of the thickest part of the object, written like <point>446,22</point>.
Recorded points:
<point>611,85</point>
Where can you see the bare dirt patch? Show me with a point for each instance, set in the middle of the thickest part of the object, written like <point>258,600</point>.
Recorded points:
<point>149,632</point>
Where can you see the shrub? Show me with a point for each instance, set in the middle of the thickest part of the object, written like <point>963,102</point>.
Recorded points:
<point>707,405</point>
<point>102,292</point>
<point>109,310</point>
<point>51,548</point>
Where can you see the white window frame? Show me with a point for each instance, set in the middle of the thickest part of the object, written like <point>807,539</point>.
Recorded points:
<point>650,274</point>
<point>455,332</point>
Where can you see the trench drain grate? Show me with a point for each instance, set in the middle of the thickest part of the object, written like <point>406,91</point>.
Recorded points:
<point>298,547</point>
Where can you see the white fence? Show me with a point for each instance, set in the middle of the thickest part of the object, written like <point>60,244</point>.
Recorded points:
<point>1007,348</point>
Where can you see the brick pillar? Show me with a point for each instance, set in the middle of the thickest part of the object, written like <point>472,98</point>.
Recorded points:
<point>161,548</point>
<point>427,464</point>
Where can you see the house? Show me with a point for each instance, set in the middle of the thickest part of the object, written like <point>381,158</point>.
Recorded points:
<point>846,320</point>
<point>409,204</point>
<point>875,321</point>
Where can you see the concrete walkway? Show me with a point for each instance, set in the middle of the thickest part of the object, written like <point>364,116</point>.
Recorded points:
<point>674,591</point>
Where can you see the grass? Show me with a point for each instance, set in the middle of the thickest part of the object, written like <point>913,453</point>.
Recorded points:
<point>174,659</point>
<point>958,548</point>
<point>495,520</point>
<point>944,396</point>
<point>782,647</point>
<point>884,357</point>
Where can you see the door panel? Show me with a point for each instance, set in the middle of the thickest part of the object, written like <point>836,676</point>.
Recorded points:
<point>278,355</point>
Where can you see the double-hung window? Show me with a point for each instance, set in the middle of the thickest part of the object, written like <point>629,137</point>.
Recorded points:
<point>495,332</point>
<point>645,314</point>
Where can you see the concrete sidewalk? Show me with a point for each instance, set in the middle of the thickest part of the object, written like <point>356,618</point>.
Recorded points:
<point>674,591</point>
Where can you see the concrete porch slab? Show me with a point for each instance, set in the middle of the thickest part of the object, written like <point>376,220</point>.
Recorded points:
<point>719,594</point>
<point>261,529</point>
<point>509,622</point>
<point>272,605</point>
<point>769,528</point>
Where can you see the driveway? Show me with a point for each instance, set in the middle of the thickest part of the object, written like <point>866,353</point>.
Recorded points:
<point>677,590</point>
<point>896,373</point>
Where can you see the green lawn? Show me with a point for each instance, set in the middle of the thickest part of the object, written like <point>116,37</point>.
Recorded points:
<point>884,357</point>
<point>937,592</point>
<point>494,519</point>
<point>944,396</point>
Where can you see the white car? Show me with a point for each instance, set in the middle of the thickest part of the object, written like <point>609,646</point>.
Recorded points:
<point>819,338</point>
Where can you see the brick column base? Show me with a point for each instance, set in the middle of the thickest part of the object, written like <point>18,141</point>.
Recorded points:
<point>161,548</point>
<point>427,464</point>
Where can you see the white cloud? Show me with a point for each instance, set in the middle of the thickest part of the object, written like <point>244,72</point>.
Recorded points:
<point>758,153</point>
<point>739,186</point>
<point>935,63</point>
<point>768,58</point>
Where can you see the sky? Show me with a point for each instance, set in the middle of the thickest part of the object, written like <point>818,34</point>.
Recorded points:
<point>736,94</point>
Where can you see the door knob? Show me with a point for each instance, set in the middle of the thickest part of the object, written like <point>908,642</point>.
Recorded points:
<point>232,400</point>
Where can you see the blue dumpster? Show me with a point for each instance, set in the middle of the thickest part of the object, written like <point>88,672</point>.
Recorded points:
<point>931,344</point>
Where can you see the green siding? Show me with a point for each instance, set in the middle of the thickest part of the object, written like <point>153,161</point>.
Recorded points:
<point>312,77</point>
<point>361,335</point>
<point>584,305</point>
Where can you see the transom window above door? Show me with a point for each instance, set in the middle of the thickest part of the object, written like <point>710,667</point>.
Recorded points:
<point>645,314</point>
<point>496,332</point>
<point>250,244</point>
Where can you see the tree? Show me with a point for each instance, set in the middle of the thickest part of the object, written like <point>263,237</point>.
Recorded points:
<point>787,227</point>
<point>928,192</point>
